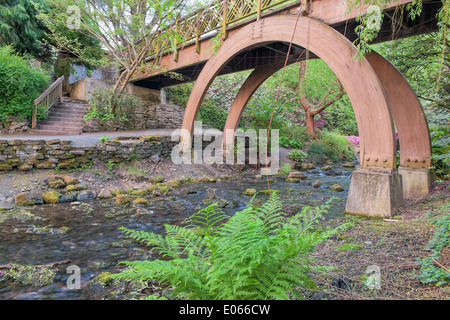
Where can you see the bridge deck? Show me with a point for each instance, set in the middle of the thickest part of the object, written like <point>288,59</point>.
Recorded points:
<point>200,30</point>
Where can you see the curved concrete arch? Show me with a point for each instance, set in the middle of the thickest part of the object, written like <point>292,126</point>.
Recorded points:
<point>407,113</point>
<point>412,127</point>
<point>357,76</point>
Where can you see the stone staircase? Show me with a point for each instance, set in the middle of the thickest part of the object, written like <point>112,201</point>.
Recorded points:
<point>65,118</point>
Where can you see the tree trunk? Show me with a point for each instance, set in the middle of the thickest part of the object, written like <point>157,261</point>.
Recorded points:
<point>309,120</point>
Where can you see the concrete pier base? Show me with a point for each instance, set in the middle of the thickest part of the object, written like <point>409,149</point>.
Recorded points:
<point>416,181</point>
<point>375,192</point>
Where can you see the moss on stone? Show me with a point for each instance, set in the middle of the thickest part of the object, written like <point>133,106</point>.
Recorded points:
<point>336,187</point>
<point>51,197</point>
<point>104,278</point>
<point>22,200</point>
<point>250,192</point>
<point>122,199</point>
<point>140,201</point>
<point>139,192</point>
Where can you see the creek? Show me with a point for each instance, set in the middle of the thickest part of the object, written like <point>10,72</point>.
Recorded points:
<point>87,235</point>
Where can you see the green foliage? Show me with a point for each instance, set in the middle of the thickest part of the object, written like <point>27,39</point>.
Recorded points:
<point>20,84</point>
<point>419,59</point>
<point>294,136</point>
<point>440,147</point>
<point>104,138</point>
<point>62,67</point>
<point>105,104</point>
<point>339,147</point>
<point>179,94</point>
<point>341,118</point>
<point>20,27</point>
<point>258,253</point>
<point>213,114</point>
<point>430,271</point>
<point>285,168</point>
<point>297,155</point>
<point>318,152</point>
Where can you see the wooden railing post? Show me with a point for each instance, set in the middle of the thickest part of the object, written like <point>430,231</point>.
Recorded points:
<point>258,12</point>
<point>224,21</point>
<point>51,95</point>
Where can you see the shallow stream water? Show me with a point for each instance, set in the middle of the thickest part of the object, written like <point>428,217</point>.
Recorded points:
<point>87,235</point>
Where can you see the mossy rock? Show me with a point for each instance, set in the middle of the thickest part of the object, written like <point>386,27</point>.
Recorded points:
<point>25,167</point>
<point>326,168</point>
<point>296,175</point>
<point>51,197</point>
<point>56,183</point>
<point>76,187</point>
<point>117,191</point>
<point>68,180</point>
<point>157,179</point>
<point>140,201</point>
<point>348,165</point>
<point>139,192</point>
<point>44,165</point>
<point>250,192</point>
<point>104,194</point>
<point>336,187</point>
<point>173,183</point>
<point>317,184</point>
<point>105,279</point>
<point>5,167</point>
<point>22,200</point>
<point>122,199</point>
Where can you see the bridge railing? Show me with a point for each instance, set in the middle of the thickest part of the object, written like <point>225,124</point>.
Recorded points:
<point>217,17</point>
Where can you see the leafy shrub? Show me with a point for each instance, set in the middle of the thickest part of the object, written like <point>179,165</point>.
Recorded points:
<point>20,84</point>
<point>105,104</point>
<point>213,114</point>
<point>179,94</point>
<point>318,152</point>
<point>339,147</point>
<point>430,270</point>
<point>294,136</point>
<point>258,253</point>
<point>297,155</point>
<point>341,118</point>
<point>440,147</point>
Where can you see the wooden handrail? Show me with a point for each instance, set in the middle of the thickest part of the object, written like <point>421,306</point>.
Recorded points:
<point>51,95</point>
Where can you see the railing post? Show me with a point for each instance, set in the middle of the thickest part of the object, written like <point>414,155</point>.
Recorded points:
<point>197,37</point>
<point>224,21</point>
<point>33,117</point>
<point>175,52</point>
<point>258,14</point>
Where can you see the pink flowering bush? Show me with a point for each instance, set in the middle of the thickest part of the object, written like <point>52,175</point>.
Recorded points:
<point>353,139</point>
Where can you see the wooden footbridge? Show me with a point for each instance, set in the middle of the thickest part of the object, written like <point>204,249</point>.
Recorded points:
<point>263,35</point>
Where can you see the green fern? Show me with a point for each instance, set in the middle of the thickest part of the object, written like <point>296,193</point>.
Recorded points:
<point>258,253</point>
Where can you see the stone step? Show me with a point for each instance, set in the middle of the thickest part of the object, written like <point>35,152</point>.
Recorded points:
<point>68,109</point>
<point>54,117</point>
<point>67,114</point>
<point>60,127</point>
<point>64,122</point>
<point>53,132</point>
<point>72,100</point>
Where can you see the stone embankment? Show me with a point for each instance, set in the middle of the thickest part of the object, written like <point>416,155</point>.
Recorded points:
<point>61,154</point>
